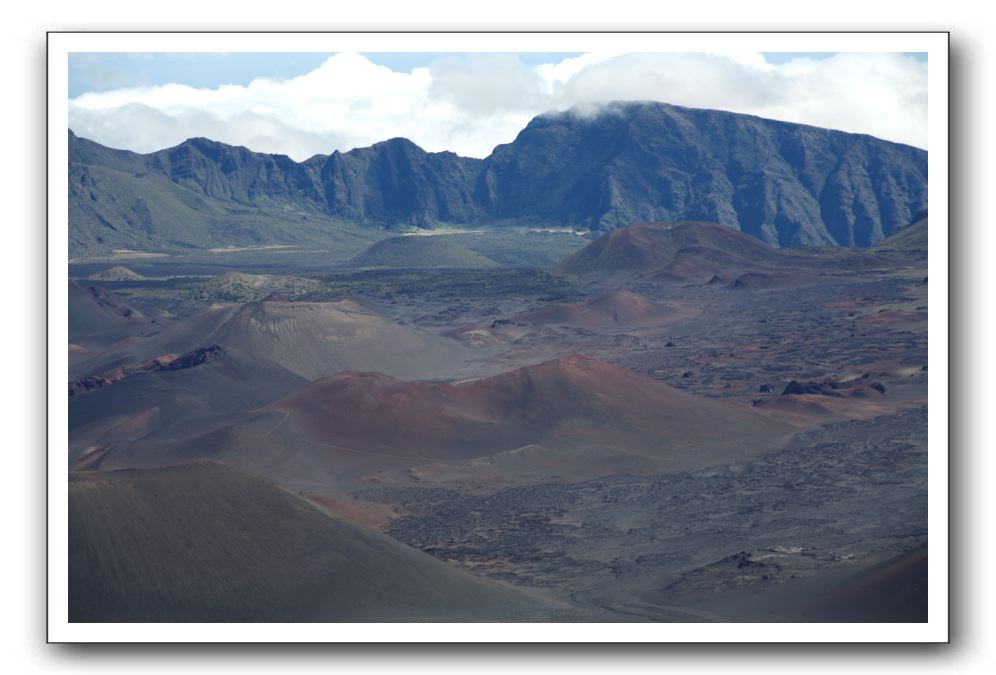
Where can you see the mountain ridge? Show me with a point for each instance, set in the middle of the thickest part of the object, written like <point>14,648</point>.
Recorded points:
<point>784,183</point>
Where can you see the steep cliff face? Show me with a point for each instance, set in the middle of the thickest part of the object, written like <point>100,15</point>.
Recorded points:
<point>398,183</point>
<point>237,174</point>
<point>785,184</point>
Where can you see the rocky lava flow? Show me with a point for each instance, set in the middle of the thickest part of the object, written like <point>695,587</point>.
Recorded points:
<point>837,498</point>
<point>159,364</point>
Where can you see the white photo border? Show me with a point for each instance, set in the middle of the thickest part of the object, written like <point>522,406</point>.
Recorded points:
<point>61,44</point>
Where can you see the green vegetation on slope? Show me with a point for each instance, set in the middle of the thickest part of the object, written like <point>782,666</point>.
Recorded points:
<point>244,287</point>
<point>910,239</point>
<point>116,273</point>
<point>114,210</point>
<point>416,252</point>
<point>521,247</point>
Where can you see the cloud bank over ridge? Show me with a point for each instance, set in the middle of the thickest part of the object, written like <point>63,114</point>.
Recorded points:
<point>468,103</point>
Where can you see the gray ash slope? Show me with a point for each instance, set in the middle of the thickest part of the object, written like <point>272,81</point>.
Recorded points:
<point>787,184</point>
<point>100,317</point>
<point>204,542</point>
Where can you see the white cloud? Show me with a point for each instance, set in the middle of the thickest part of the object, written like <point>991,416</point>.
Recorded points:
<point>555,75</point>
<point>142,128</point>
<point>470,103</point>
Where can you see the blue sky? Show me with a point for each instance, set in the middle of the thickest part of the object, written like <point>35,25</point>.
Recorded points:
<point>784,57</point>
<point>105,71</point>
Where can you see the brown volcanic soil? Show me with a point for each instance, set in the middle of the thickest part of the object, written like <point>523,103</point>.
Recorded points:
<point>569,419</point>
<point>805,404</point>
<point>807,410</point>
<point>702,264</point>
<point>701,252</point>
<point>362,513</point>
<point>617,308</point>
<point>573,403</point>
<point>686,250</point>
<point>204,542</point>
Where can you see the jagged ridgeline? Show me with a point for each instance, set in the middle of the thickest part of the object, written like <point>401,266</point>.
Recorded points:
<point>785,184</point>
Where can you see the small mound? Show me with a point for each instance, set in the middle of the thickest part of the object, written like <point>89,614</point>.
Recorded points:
<point>417,252</point>
<point>660,246</point>
<point>117,273</point>
<point>243,287</point>
<point>805,410</point>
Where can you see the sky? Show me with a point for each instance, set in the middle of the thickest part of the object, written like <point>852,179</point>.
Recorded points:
<point>303,104</point>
